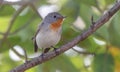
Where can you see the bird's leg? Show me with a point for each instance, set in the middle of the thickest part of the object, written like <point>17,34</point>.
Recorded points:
<point>55,50</point>
<point>44,51</point>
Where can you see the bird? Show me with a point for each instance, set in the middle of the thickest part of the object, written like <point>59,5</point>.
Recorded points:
<point>49,32</point>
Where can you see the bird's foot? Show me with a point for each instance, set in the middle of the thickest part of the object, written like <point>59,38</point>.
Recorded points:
<point>42,56</point>
<point>55,49</point>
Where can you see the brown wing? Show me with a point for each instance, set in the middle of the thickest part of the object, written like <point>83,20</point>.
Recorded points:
<point>34,38</point>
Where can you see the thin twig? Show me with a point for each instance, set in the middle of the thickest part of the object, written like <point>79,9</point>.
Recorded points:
<point>30,3</point>
<point>11,24</point>
<point>83,52</point>
<point>25,55</point>
<point>35,9</point>
<point>21,56</point>
<point>92,20</point>
<point>75,41</point>
<point>17,53</point>
<point>24,26</point>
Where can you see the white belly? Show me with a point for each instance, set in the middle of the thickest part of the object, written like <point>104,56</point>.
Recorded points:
<point>47,39</point>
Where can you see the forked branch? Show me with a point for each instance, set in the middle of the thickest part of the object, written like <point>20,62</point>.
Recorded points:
<point>38,60</point>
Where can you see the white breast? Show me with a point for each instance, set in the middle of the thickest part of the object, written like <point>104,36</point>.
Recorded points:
<point>46,39</point>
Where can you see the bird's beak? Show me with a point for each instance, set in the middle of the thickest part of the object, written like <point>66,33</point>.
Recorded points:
<point>63,17</point>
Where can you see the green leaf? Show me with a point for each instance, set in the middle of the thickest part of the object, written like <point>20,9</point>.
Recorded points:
<point>103,33</point>
<point>28,46</point>
<point>85,13</point>
<point>109,2</point>
<point>89,44</point>
<point>61,63</point>
<point>6,63</point>
<point>24,19</point>
<point>4,23</point>
<point>71,10</point>
<point>103,63</point>
<point>6,10</point>
<point>114,30</point>
<point>88,2</point>
<point>10,42</point>
<point>68,34</point>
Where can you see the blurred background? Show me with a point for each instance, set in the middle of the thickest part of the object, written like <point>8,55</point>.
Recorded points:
<point>100,52</point>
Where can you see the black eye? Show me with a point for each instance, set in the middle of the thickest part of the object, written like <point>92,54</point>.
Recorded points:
<point>54,16</point>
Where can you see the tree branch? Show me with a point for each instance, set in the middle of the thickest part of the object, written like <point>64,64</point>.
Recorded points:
<point>35,9</point>
<point>52,54</point>
<point>23,3</point>
<point>11,24</point>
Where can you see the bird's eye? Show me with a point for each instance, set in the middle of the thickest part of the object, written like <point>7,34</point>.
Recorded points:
<point>54,16</point>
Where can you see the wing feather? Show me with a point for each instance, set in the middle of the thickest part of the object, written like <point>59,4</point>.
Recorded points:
<point>34,38</point>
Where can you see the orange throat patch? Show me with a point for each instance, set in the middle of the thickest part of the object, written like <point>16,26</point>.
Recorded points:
<point>55,25</point>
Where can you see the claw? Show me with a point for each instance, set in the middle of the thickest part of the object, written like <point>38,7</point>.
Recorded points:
<point>42,55</point>
<point>55,49</point>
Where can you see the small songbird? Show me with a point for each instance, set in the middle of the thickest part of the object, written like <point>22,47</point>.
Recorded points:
<point>49,32</point>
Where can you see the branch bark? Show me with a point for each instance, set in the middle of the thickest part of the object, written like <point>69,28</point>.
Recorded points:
<point>52,54</point>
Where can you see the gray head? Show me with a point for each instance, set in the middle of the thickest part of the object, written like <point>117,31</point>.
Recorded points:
<point>52,17</point>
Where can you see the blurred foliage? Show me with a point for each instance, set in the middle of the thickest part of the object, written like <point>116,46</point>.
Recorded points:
<point>104,43</point>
